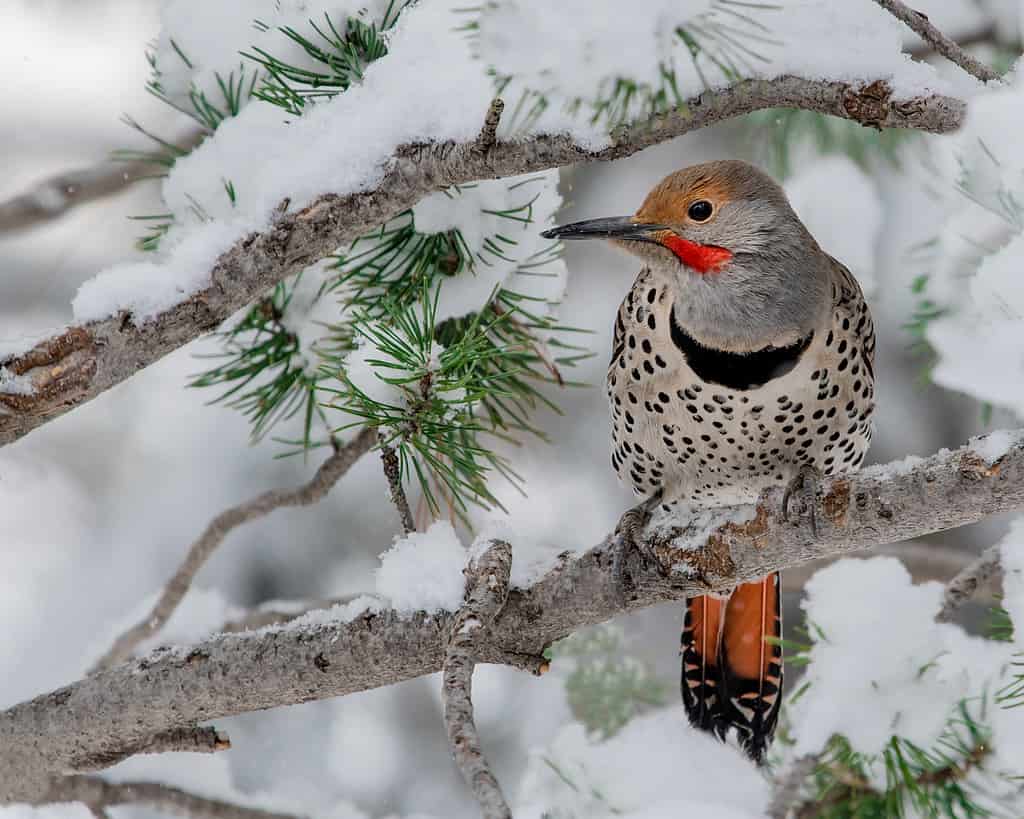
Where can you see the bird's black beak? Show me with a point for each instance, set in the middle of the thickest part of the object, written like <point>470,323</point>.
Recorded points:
<point>614,227</point>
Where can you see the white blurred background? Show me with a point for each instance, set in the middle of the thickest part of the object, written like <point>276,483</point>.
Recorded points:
<point>98,507</point>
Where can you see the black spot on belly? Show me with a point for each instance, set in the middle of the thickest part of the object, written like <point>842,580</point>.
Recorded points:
<point>738,371</point>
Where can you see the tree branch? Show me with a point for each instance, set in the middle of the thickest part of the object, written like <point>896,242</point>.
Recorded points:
<point>981,572</point>
<point>52,197</point>
<point>81,362</point>
<point>487,587</point>
<point>922,26</point>
<point>98,794</point>
<point>393,473</point>
<point>121,707</point>
<point>329,473</point>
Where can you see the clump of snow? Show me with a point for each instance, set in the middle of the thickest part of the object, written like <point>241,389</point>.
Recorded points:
<point>996,444</point>
<point>338,613</point>
<point>494,214</point>
<point>902,466</point>
<point>13,384</point>
<point>673,770</point>
<point>148,288</point>
<point>882,655</point>
<point>423,571</point>
<point>980,252</point>
<point>213,49</point>
<point>848,226</point>
<point>701,521</point>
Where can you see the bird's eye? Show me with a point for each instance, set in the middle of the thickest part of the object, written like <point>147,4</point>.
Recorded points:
<point>700,211</point>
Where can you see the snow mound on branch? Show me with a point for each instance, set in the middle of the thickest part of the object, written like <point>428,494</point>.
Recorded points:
<point>615,46</point>
<point>882,655</point>
<point>147,288</point>
<point>672,770</point>
<point>213,41</point>
<point>423,571</point>
<point>500,222</point>
<point>431,88</point>
<point>848,226</point>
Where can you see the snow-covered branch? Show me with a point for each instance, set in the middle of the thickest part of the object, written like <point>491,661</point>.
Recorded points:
<point>81,362</point>
<point>329,473</point>
<point>363,645</point>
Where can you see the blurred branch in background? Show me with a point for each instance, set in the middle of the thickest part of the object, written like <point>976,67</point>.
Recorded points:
<point>330,472</point>
<point>121,708</point>
<point>56,195</point>
<point>98,794</point>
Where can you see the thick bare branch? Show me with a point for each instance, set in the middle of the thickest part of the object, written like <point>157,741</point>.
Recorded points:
<point>230,674</point>
<point>329,473</point>
<point>981,572</point>
<point>98,794</point>
<point>81,362</point>
<point>922,26</point>
<point>487,587</point>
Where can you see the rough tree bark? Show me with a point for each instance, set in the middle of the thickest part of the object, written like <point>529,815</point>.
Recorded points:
<point>81,362</point>
<point>88,723</point>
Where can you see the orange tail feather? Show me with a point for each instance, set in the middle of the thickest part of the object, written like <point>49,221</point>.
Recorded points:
<point>745,665</point>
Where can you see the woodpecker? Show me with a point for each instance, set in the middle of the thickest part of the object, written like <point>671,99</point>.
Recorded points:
<point>743,356</point>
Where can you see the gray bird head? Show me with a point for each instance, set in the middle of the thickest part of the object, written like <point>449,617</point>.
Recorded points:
<point>747,272</point>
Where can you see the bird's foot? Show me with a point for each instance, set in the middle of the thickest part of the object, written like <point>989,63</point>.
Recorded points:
<point>632,524</point>
<point>804,484</point>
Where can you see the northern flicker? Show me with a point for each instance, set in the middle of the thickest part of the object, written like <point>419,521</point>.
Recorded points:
<point>742,357</point>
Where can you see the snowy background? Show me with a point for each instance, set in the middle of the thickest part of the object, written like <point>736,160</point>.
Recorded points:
<point>97,508</point>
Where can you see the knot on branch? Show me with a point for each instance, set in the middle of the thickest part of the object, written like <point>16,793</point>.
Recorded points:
<point>868,104</point>
<point>57,371</point>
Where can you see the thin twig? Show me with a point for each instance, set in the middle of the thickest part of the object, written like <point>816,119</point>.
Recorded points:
<point>488,137</point>
<point>922,26</point>
<point>329,473</point>
<point>981,572</point>
<point>75,365</point>
<point>487,586</point>
<point>393,472</point>
<point>189,739</point>
<point>97,794</point>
